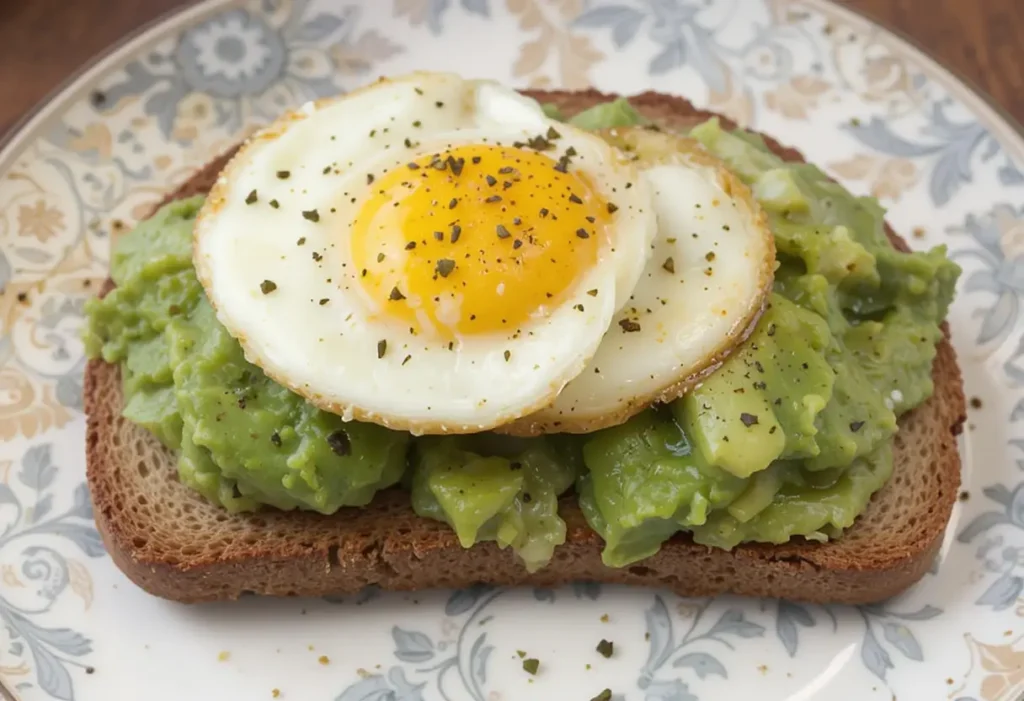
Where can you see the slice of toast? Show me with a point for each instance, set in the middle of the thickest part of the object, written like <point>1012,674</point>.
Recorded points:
<point>174,544</point>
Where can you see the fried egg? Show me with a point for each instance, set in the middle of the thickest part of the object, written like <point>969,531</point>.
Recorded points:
<point>703,291</point>
<point>428,253</point>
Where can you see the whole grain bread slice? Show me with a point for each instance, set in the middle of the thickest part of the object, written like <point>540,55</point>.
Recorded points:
<point>174,544</point>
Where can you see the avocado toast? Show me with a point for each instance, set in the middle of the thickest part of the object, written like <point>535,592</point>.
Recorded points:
<point>176,544</point>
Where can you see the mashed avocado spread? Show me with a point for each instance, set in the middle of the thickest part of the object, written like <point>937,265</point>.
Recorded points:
<point>791,437</point>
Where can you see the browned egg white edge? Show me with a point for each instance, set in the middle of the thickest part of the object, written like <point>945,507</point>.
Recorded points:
<point>542,422</point>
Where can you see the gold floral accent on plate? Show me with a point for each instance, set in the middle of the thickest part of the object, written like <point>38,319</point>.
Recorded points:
<point>1002,667</point>
<point>798,97</point>
<point>886,178</point>
<point>80,581</point>
<point>574,54</point>
<point>9,576</point>
<point>28,407</point>
<point>40,221</point>
<point>360,55</point>
<point>1011,232</point>
<point>95,138</point>
<point>415,11</point>
<point>735,102</point>
<point>873,68</point>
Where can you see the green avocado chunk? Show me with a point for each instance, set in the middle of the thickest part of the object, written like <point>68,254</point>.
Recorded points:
<point>496,488</point>
<point>242,439</point>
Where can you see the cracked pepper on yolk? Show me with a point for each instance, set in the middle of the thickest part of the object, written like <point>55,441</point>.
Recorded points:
<point>476,239</point>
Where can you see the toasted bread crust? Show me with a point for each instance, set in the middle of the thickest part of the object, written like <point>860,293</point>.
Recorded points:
<point>174,544</point>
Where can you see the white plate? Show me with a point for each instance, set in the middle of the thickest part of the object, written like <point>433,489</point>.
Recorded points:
<point>857,100</point>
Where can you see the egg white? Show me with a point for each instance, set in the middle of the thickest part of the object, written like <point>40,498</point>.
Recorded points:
<point>331,353</point>
<point>700,296</point>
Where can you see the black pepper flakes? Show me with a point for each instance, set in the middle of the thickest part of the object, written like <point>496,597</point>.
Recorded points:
<point>629,326</point>
<point>275,204</point>
<point>543,211</point>
<point>612,208</point>
<point>369,178</point>
<point>605,695</point>
<point>301,241</point>
<point>606,648</point>
<point>553,134</point>
<point>454,202</point>
<point>339,443</point>
<point>593,292</point>
<point>669,265</point>
<point>456,232</point>
<point>856,426</point>
<point>396,295</point>
<point>508,354</point>
<point>412,166</point>
<point>748,419</point>
<point>311,215</point>
<point>382,348</point>
<point>531,665</point>
<point>503,233</point>
<point>268,286</point>
<point>324,301</point>
<point>491,180</point>
<point>275,438</point>
<point>582,233</point>
<point>251,198</point>
<point>411,245</point>
<point>574,199</point>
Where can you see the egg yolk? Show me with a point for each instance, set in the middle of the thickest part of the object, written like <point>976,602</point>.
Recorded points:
<point>477,239</point>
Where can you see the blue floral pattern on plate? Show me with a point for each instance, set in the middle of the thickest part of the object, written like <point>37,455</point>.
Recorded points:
<point>868,108</point>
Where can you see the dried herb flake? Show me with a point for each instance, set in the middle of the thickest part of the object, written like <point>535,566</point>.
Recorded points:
<point>339,443</point>
<point>444,267</point>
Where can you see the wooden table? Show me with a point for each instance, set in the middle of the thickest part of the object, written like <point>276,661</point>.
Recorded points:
<point>43,41</point>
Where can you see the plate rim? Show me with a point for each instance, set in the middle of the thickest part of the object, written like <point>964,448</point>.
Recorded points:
<point>965,89</point>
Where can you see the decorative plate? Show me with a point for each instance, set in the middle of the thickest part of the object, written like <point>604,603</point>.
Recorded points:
<point>872,110</point>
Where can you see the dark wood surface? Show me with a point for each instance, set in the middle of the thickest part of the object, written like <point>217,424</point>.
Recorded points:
<point>44,41</point>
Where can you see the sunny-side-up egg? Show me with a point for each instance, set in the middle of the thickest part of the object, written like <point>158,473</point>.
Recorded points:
<point>704,288</point>
<point>428,253</point>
